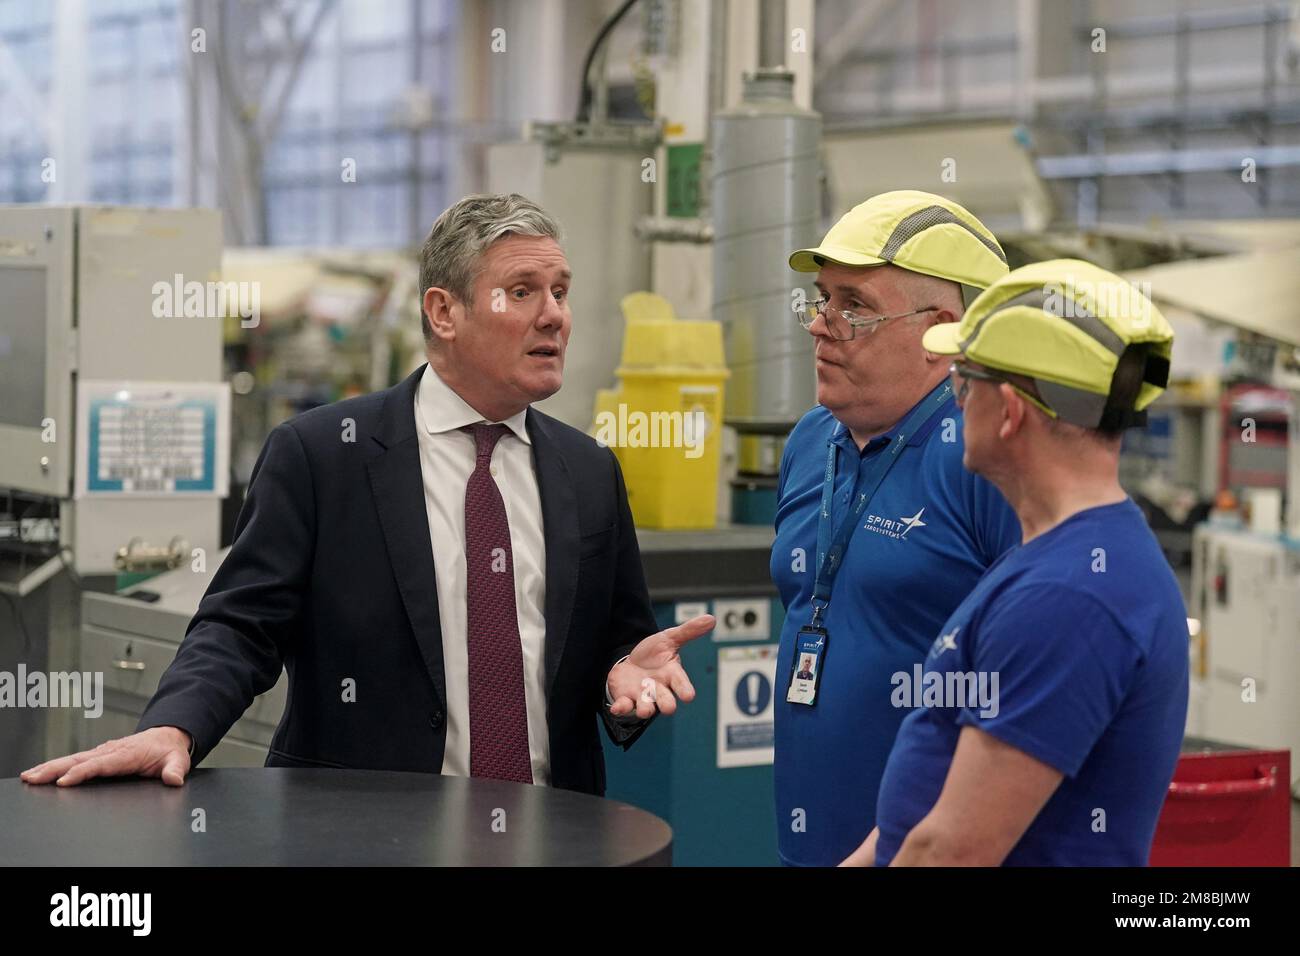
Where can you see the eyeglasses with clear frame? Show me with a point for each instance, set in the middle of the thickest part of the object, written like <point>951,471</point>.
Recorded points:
<point>841,324</point>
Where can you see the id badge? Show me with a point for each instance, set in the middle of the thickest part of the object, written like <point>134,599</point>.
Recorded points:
<point>806,672</point>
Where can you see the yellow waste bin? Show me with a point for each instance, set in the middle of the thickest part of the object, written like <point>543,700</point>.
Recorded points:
<point>665,421</point>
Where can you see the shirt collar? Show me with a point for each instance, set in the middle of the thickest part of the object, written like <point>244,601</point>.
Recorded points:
<point>442,410</point>
<point>841,436</point>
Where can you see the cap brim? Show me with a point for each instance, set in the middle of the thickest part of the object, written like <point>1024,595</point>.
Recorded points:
<point>805,260</point>
<point>941,339</point>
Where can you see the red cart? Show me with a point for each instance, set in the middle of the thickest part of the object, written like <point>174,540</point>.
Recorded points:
<point>1227,806</point>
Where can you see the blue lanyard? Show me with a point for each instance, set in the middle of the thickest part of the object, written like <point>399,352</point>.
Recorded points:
<point>830,553</point>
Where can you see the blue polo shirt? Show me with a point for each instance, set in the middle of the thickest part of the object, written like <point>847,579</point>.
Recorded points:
<point>1085,628</point>
<point>929,532</point>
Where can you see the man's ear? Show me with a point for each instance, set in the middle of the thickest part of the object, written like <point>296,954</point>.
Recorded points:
<point>1013,411</point>
<point>938,318</point>
<point>438,308</point>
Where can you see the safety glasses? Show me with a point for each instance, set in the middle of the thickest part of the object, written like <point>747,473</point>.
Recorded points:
<point>965,374</point>
<point>843,325</point>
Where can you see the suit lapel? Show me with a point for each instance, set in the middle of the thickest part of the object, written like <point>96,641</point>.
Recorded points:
<point>398,489</point>
<point>560,528</point>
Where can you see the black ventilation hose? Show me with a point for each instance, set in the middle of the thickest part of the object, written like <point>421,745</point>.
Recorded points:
<point>584,92</point>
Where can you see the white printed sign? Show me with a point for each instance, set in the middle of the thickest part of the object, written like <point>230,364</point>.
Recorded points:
<point>746,689</point>
<point>153,439</point>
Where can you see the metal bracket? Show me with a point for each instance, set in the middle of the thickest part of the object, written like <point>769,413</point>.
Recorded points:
<point>570,135</point>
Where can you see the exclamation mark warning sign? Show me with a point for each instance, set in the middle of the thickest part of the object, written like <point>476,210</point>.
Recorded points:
<point>746,678</point>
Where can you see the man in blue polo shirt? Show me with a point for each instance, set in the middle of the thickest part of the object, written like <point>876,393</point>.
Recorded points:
<point>907,531</point>
<point>1053,700</point>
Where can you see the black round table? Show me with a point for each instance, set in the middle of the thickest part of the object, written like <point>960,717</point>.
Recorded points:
<point>295,817</point>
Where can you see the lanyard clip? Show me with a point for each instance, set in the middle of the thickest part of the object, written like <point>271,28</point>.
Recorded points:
<point>817,612</point>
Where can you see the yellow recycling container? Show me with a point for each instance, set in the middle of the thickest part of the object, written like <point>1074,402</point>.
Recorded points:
<point>665,421</point>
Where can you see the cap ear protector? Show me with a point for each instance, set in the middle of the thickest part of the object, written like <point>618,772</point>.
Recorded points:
<point>1136,367</point>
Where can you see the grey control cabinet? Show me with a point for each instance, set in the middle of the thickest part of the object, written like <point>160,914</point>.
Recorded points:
<point>131,642</point>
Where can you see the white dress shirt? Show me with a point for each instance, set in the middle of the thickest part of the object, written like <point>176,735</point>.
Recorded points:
<point>447,458</point>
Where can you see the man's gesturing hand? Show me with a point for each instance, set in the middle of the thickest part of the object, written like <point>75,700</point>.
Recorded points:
<point>653,672</point>
<point>156,752</point>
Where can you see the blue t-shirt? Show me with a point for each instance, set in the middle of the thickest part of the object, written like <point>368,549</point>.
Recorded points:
<point>928,533</point>
<point>1085,628</point>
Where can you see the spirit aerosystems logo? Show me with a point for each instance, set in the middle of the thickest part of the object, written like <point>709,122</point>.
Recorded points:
<point>639,429</point>
<point>56,689</point>
<point>894,528</point>
<point>74,908</point>
<point>180,299</point>
<point>946,689</point>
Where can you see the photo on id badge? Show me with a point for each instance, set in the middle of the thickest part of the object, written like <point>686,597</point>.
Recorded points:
<point>805,674</point>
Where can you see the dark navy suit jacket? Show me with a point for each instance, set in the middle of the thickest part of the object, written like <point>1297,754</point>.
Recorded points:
<point>331,576</point>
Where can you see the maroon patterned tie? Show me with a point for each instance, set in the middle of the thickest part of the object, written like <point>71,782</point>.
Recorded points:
<point>498,714</point>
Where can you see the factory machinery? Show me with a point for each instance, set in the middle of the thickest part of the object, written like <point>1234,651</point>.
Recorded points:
<point>114,428</point>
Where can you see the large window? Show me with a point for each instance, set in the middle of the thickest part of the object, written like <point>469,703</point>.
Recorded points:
<point>374,83</point>
<point>26,44</point>
<point>374,68</point>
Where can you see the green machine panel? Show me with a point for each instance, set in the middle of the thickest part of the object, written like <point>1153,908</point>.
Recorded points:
<point>683,200</point>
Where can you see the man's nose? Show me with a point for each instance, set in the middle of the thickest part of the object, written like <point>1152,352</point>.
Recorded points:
<point>552,314</point>
<point>818,328</point>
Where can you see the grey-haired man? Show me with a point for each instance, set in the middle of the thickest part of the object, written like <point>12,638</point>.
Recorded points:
<point>469,563</point>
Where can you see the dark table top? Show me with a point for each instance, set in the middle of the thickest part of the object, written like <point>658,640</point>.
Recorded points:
<point>294,817</point>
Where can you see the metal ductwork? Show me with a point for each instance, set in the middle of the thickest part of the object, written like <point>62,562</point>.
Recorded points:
<point>765,199</point>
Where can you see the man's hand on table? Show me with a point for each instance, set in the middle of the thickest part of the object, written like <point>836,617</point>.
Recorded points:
<point>157,752</point>
<point>653,672</point>
<point>649,677</point>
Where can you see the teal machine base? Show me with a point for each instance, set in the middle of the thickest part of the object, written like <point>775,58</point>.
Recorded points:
<point>721,816</point>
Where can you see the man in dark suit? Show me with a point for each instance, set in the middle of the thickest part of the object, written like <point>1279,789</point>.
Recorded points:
<point>450,577</point>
